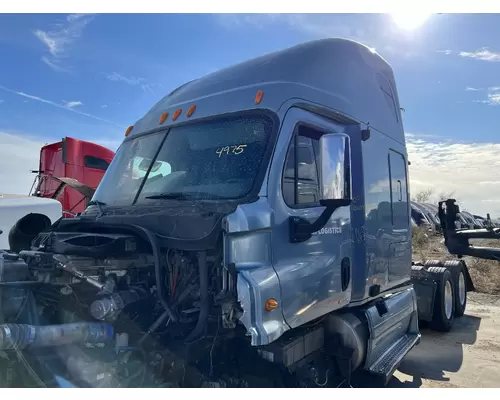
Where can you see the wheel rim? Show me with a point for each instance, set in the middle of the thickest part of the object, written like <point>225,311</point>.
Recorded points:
<point>461,288</point>
<point>448,299</point>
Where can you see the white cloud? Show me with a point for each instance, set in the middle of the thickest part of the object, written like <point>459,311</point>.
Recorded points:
<point>54,104</point>
<point>71,104</point>
<point>471,89</point>
<point>74,17</point>
<point>483,54</point>
<point>104,106</point>
<point>115,76</point>
<point>492,97</point>
<point>132,81</point>
<point>52,64</point>
<point>60,37</point>
<point>468,169</point>
<point>447,52</point>
<point>18,155</point>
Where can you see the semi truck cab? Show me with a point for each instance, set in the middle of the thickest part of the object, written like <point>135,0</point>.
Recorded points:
<point>265,204</point>
<point>81,164</point>
<point>307,145</point>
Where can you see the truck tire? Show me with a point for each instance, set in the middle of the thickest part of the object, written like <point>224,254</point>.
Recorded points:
<point>458,271</point>
<point>444,302</point>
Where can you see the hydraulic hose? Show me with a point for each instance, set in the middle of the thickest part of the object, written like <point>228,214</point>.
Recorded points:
<point>159,282</point>
<point>204,298</point>
<point>21,336</point>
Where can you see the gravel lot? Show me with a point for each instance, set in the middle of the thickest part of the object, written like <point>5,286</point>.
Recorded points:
<point>466,357</point>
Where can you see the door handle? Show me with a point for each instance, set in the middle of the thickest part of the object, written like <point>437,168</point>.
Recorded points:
<point>400,190</point>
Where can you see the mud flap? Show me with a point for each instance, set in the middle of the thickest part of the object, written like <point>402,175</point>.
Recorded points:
<point>425,290</point>
<point>468,280</point>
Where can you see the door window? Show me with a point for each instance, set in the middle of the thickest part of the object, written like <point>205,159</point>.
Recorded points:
<point>301,175</point>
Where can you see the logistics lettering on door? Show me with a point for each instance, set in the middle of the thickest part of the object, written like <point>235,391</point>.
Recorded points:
<point>329,230</point>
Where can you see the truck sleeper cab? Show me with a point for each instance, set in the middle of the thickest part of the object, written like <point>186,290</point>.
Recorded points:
<point>305,149</point>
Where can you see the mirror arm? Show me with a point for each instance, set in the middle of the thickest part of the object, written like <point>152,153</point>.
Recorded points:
<point>302,230</point>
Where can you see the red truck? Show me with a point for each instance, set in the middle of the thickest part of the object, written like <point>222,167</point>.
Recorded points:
<point>70,170</point>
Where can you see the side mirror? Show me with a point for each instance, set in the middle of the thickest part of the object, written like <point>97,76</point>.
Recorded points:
<point>335,185</point>
<point>335,169</point>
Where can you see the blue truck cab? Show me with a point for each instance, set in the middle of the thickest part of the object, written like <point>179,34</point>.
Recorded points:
<point>277,189</point>
<point>309,141</point>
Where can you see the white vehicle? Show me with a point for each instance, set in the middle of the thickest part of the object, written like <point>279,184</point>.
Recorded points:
<point>13,208</point>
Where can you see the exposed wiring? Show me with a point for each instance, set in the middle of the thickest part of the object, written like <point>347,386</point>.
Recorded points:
<point>212,347</point>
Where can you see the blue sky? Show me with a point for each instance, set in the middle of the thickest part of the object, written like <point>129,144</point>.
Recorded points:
<point>90,76</point>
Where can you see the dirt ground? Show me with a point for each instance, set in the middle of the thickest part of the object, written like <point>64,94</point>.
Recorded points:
<point>469,355</point>
<point>466,357</point>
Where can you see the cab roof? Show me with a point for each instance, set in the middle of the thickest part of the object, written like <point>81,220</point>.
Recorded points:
<point>338,74</point>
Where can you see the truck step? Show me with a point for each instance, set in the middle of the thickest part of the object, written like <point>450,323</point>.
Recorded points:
<point>387,363</point>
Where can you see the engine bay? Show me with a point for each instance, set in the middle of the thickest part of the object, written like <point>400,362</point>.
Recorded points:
<point>117,309</point>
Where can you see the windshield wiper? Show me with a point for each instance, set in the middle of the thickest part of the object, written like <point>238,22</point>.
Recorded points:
<point>186,196</point>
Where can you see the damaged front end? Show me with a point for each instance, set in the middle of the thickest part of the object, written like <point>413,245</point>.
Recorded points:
<point>171,259</point>
<point>106,304</point>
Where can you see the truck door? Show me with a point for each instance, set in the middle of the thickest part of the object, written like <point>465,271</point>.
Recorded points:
<point>314,275</point>
<point>399,250</point>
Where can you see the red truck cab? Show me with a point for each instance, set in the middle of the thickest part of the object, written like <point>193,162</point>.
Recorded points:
<point>83,162</point>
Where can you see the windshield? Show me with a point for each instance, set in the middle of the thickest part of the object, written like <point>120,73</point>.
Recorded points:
<point>217,159</point>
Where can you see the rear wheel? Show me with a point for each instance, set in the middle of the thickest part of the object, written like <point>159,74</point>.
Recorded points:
<point>444,302</point>
<point>458,269</point>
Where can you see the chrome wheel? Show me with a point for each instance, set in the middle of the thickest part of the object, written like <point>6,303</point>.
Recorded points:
<point>461,288</point>
<point>448,299</point>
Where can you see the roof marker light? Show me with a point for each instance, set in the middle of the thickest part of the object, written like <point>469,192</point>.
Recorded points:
<point>129,129</point>
<point>191,109</point>
<point>163,117</point>
<point>177,113</point>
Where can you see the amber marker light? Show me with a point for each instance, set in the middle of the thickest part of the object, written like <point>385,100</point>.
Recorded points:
<point>190,111</point>
<point>163,117</point>
<point>259,96</point>
<point>177,113</point>
<point>271,304</point>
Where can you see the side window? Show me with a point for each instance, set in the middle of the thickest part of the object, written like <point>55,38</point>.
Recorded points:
<point>399,192</point>
<point>95,162</point>
<point>301,177</point>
